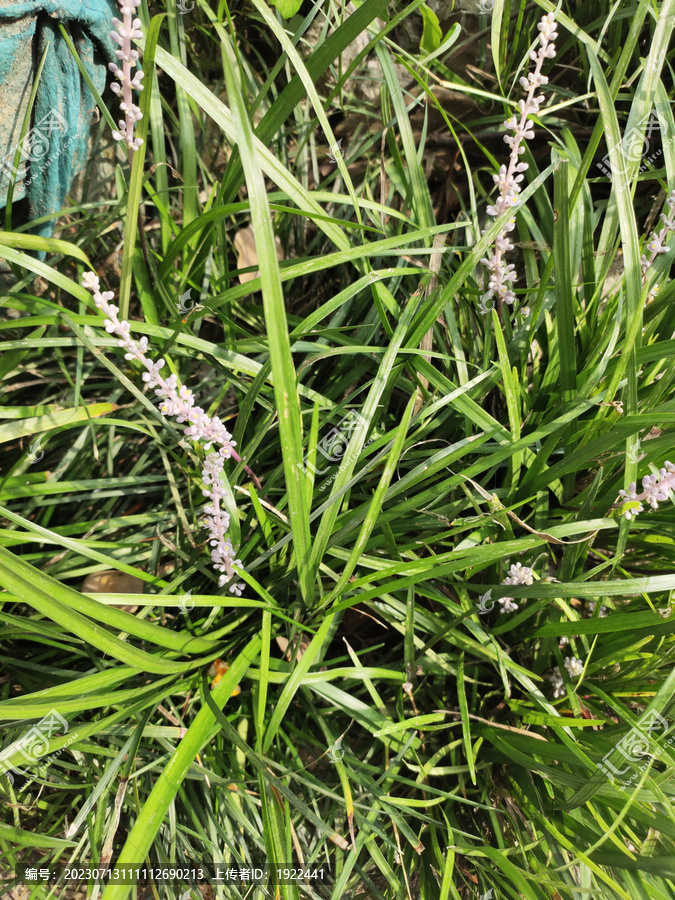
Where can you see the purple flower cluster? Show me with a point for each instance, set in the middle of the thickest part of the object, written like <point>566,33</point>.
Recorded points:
<point>125,32</point>
<point>180,402</point>
<point>655,489</point>
<point>508,179</point>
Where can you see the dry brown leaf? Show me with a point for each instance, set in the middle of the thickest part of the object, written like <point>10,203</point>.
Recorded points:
<point>497,505</point>
<point>244,242</point>
<point>113,582</point>
<point>282,643</point>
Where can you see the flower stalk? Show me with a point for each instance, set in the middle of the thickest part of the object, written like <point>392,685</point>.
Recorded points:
<point>655,489</point>
<point>126,31</point>
<point>656,243</point>
<point>509,177</point>
<point>179,401</point>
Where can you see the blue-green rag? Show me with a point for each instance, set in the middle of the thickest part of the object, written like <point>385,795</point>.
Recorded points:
<point>56,148</point>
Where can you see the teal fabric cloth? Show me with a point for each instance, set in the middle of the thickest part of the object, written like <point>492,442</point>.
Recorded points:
<point>57,144</point>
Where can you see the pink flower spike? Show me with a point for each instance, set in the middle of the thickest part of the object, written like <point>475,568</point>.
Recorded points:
<point>125,31</point>
<point>508,180</point>
<point>656,489</point>
<point>179,401</point>
<point>656,244</point>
